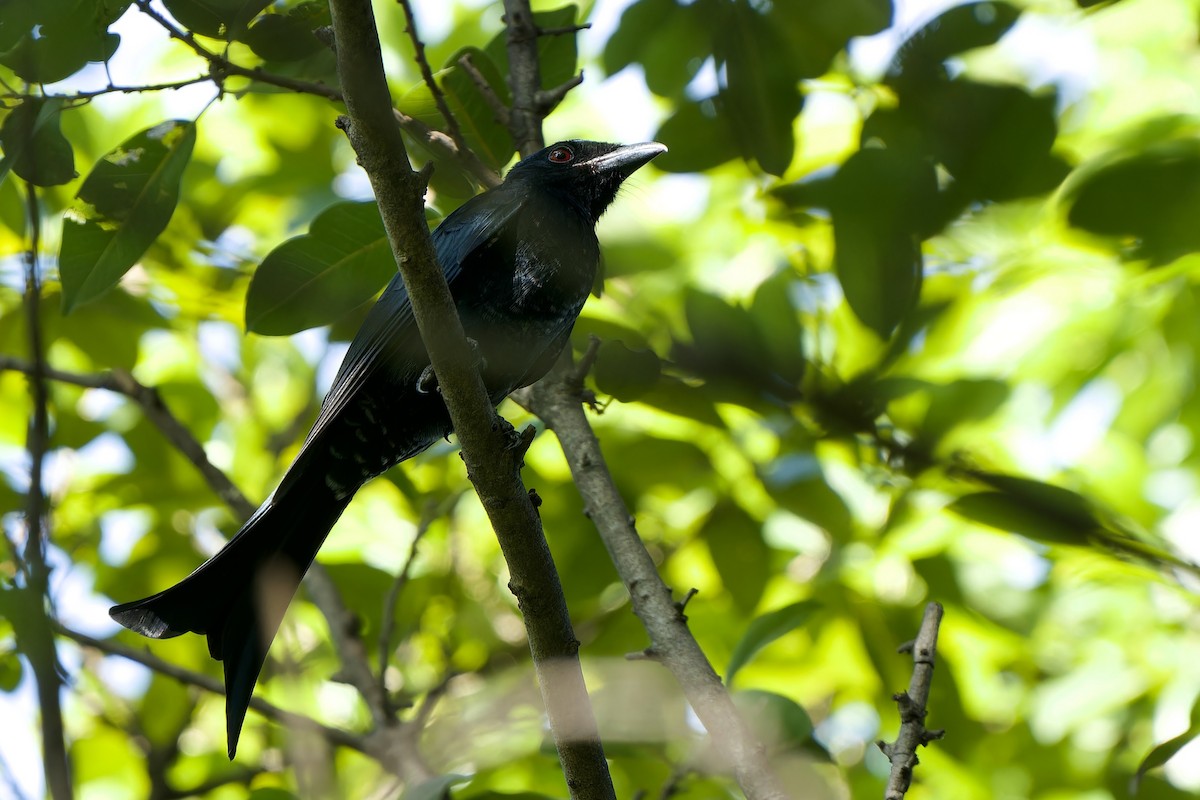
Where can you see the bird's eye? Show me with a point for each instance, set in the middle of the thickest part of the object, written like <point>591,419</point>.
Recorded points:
<point>561,155</point>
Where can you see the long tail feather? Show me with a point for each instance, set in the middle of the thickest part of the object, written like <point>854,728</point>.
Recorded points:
<point>238,597</point>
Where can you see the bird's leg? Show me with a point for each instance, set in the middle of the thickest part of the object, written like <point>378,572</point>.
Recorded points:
<point>427,381</point>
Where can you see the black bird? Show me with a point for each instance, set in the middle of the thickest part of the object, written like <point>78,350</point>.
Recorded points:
<point>520,260</point>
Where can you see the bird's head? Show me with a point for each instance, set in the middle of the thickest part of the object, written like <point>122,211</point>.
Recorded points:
<point>587,174</point>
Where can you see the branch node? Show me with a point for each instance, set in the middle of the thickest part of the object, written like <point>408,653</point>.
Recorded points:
<point>687,598</point>
<point>546,100</point>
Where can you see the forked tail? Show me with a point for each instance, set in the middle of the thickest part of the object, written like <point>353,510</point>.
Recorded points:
<point>238,597</point>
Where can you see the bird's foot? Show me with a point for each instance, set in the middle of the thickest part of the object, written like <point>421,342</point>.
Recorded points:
<point>427,382</point>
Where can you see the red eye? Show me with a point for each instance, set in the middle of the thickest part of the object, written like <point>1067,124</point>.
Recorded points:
<point>561,155</point>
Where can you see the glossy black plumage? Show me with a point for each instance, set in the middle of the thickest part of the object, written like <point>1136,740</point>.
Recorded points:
<point>520,261</point>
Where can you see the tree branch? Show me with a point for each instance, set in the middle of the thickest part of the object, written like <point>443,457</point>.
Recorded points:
<point>222,67</point>
<point>557,401</point>
<point>439,97</point>
<point>34,596</point>
<point>524,77</point>
<point>492,460</point>
<point>912,704</point>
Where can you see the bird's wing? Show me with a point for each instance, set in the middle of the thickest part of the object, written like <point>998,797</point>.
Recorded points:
<point>468,228</point>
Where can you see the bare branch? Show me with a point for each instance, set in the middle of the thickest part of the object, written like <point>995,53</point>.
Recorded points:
<point>110,89</point>
<point>564,29</point>
<point>35,594</point>
<point>912,704</point>
<point>439,98</point>
<point>547,100</point>
<point>222,67</point>
<point>499,110</point>
<point>387,627</point>
<point>524,77</point>
<point>441,144</point>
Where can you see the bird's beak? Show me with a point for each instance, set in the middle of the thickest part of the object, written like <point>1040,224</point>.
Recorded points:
<point>626,159</point>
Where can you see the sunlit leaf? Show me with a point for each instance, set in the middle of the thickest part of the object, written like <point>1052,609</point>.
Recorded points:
<point>765,629</point>
<point>1164,752</point>
<point>124,204</point>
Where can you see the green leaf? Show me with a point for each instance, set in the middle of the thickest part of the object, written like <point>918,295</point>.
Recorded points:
<point>124,204</point>
<point>765,629</point>
<point>816,32</point>
<point>557,55</point>
<point>217,18</point>
<point>697,138</point>
<point>741,556</point>
<point>487,137</point>
<point>271,793</point>
<point>1164,752</point>
<point>779,722</point>
<point>64,44</point>
<point>955,31</point>
<point>624,373</point>
<point>779,323</point>
<point>316,278</point>
<point>761,94</point>
<point>285,37</point>
<point>1150,195</point>
<point>881,203</point>
<point>11,670</point>
<point>436,788</point>
<point>34,147</point>
<point>1033,508</point>
<point>670,41</point>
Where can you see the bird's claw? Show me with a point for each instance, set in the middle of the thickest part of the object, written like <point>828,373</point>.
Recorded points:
<point>427,382</point>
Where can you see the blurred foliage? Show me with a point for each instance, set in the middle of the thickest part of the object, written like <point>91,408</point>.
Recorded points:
<point>902,318</point>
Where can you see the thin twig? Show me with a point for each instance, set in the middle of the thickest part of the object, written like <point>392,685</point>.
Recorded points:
<point>111,89</point>
<point>387,627</point>
<point>152,406</point>
<point>912,704</point>
<point>222,67</point>
<point>547,100</point>
<point>564,29</point>
<point>441,144</point>
<point>499,109</point>
<point>186,676</point>
<point>39,644</point>
<point>439,97</point>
